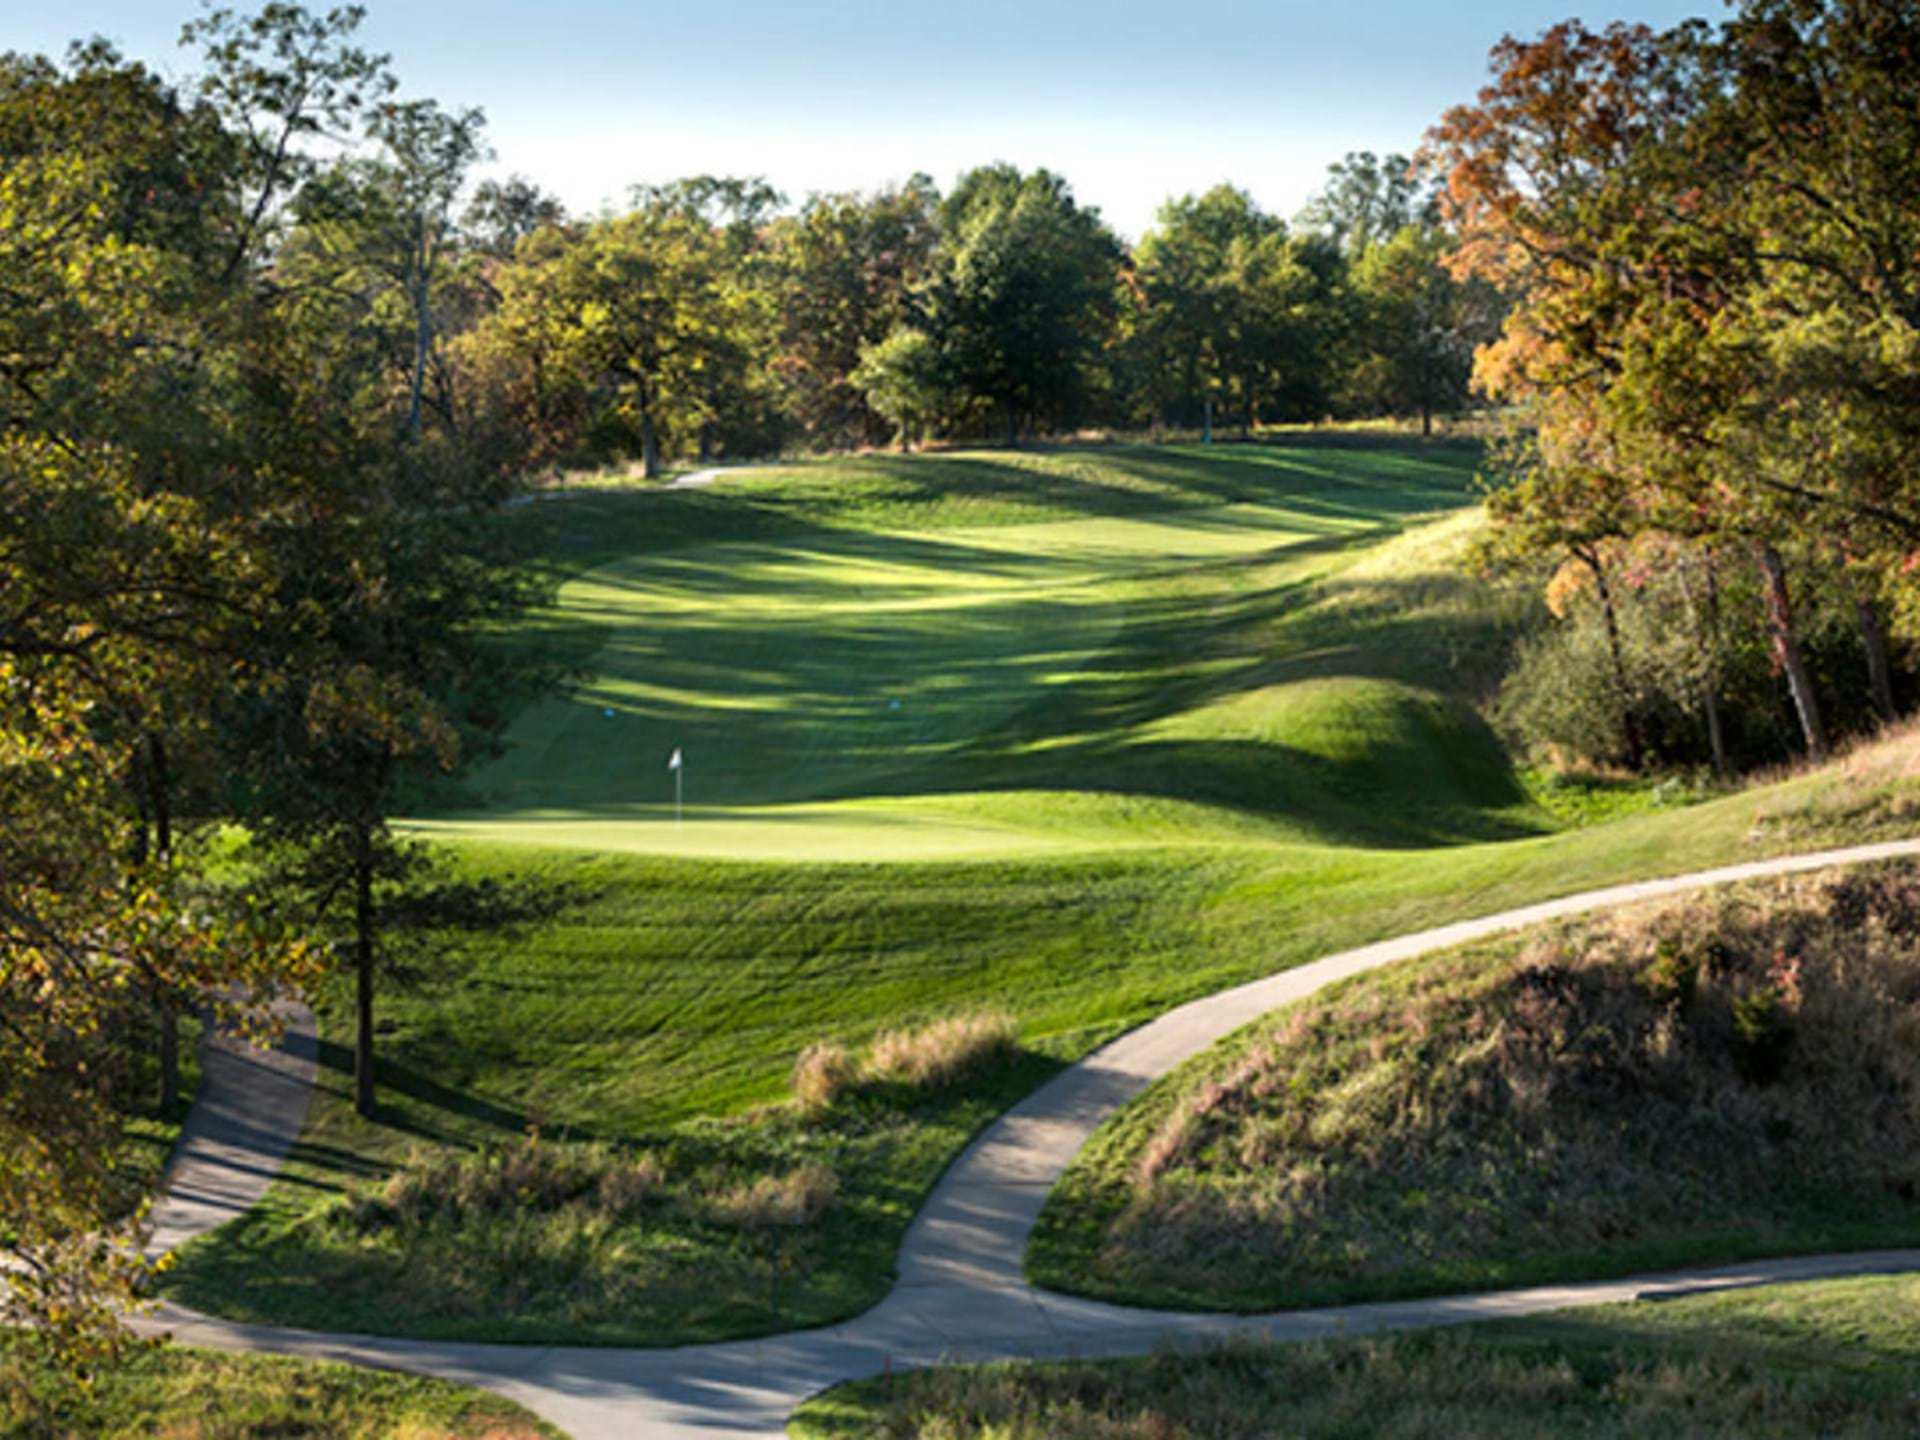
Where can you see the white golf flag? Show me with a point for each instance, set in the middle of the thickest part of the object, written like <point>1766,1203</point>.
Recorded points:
<point>674,763</point>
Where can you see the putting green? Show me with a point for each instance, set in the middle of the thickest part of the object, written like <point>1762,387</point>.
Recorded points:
<point>984,683</point>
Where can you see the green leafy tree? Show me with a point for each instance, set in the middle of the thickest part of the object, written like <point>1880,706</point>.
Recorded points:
<point>848,270</point>
<point>502,213</point>
<point>130,542</point>
<point>902,379</point>
<point>1025,294</point>
<point>1417,325</point>
<point>390,564</point>
<point>636,331</point>
<point>1368,200</point>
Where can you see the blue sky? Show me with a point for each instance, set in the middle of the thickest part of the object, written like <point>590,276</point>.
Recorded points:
<point>1131,101</point>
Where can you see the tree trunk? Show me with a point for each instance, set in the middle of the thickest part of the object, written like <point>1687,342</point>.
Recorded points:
<point>1786,649</point>
<point>1426,418</point>
<point>649,445</point>
<point>1873,634</point>
<point>1708,645</point>
<point>159,808</point>
<point>363,1087</point>
<point>1623,692</point>
<point>422,345</point>
<point>169,1059</point>
<point>1246,407</point>
<point>1013,427</point>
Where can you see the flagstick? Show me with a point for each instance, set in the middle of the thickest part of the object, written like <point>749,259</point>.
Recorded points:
<point>677,774</point>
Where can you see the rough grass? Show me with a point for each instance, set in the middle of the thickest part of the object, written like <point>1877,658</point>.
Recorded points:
<point>1732,1073</point>
<point>1831,1358</point>
<point>1237,734</point>
<point>780,1217</point>
<point>182,1394</point>
<point>931,1057</point>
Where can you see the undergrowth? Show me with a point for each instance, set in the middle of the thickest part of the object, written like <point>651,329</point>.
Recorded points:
<point>1737,1072</point>
<point>754,1222</point>
<point>1834,1359</point>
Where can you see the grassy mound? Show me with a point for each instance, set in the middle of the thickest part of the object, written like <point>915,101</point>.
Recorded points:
<point>183,1394</point>
<point>1736,1073</point>
<point>1832,1358</point>
<point>780,1218</point>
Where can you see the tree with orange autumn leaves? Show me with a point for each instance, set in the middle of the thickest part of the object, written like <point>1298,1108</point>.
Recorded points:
<point>1712,243</point>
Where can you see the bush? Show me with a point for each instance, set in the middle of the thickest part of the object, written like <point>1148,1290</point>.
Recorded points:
<point>1563,697</point>
<point>822,1075</point>
<point>1673,976</point>
<point>945,1051</point>
<point>1762,1034</point>
<point>797,1198</point>
<point>930,1058</point>
<point>529,1175</point>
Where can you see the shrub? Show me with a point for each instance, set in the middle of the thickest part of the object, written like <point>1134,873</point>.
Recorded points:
<point>530,1175</point>
<point>822,1075</point>
<point>929,1058</point>
<point>1762,1034</point>
<point>625,1187</point>
<point>797,1198</point>
<point>1673,976</point>
<point>943,1052</point>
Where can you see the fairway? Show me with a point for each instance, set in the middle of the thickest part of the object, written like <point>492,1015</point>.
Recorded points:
<point>973,655</point>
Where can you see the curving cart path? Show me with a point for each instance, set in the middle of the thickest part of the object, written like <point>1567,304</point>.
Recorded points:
<point>961,1293</point>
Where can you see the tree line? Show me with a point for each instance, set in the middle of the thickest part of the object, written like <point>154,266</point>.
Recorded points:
<point>248,553</point>
<point>711,320</point>
<point>1710,239</point>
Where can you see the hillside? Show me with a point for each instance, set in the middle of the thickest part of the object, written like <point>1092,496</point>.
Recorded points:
<point>1727,1075</point>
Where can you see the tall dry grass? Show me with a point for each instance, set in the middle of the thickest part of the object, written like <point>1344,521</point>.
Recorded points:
<point>1429,1386</point>
<point>930,1057</point>
<point>1742,1061</point>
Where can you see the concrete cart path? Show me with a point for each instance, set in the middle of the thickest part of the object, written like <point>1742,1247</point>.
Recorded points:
<point>247,1114</point>
<point>961,1293</point>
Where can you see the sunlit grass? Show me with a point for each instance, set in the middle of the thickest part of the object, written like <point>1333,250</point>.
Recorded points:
<point>182,1394</point>
<point>1833,1358</point>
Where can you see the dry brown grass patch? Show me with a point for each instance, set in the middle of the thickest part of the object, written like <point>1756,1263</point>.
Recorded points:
<point>797,1198</point>
<point>928,1057</point>
<point>944,1051</point>
<point>1741,1060</point>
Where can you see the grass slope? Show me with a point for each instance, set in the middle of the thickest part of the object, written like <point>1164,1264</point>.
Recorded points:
<point>1724,1075</point>
<point>1172,775</point>
<point>1832,1358</point>
<point>183,1394</point>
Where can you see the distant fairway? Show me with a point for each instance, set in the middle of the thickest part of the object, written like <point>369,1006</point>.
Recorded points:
<point>988,655</point>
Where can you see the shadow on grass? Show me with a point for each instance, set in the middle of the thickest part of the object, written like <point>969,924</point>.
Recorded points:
<point>821,695</point>
<point>405,1080</point>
